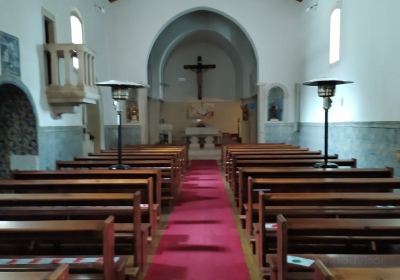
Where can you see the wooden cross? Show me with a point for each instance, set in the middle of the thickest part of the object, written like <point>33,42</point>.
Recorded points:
<point>199,68</point>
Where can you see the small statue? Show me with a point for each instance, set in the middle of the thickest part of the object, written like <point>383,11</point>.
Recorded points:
<point>133,113</point>
<point>274,113</point>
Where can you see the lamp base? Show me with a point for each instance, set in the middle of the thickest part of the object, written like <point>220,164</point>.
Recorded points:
<point>327,165</point>
<point>119,167</point>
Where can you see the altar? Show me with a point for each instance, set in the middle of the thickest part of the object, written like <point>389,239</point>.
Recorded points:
<point>194,134</point>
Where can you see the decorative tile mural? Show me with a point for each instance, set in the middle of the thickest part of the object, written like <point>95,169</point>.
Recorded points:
<point>18,132</point>
<point>373,144</point>
<point>59,143</point>
<point>280,132</point>
<point>9,55</point>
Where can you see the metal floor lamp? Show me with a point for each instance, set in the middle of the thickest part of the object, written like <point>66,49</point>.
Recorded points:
<point>326,90</point>
<point>120,93</point>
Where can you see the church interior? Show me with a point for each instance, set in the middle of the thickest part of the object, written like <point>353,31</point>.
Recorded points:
<point>207,139</point>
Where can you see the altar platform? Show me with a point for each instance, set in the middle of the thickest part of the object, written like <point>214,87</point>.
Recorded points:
<point>214,154</point>
<point>202,137</point>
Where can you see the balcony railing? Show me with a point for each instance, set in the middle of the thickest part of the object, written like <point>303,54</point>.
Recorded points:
<point>71,78</point>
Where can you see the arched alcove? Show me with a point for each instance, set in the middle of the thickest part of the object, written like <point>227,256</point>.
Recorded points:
<point>218,40</point>
<point>275,104</point>
<point>18,130</point>
<point>208,29</point>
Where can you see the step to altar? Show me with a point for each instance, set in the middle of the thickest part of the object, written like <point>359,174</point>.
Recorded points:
<point>205,154</point>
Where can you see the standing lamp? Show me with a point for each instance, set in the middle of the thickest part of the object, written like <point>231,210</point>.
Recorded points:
<point>120,92</point>
<point>326,90</point>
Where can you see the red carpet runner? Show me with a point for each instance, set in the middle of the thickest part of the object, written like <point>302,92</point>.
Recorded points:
<point>201,240</point>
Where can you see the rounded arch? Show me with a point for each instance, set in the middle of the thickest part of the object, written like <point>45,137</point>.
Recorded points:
<point>204,8</point>
<point>221,29</point>
<point>19,84</point>
<point>19,133</point>
<point>76,13</point>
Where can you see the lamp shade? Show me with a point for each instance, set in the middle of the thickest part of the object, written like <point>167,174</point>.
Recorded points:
<point>120,89</point>
<point>326,86</point>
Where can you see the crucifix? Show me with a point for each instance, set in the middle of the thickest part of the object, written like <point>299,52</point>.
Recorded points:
<point>199,68</point>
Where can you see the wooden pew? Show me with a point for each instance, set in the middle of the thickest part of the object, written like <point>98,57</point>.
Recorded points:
<point>98,233</point>
<point>179,157</point>
<point>232,165</point>
<point>309,185</point>
<point>166,181</point>
<point>298,172</point>
<point>284,163</point>
<point>166,166</point>
<point>290,230</point>
<point>290,150</point>
<point>180,150</point>
<point>270,152</point>
<point>141,173</point>
<point>32,273</point>
<point>232,168</point>
<point>227,148</point>
<point>88,206</point>
<point>145,186</point>
<point>369,271</point>
<point>319,205</point>
<point>106,163</point>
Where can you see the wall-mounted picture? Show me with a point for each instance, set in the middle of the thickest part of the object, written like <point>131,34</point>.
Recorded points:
<point>9,55</point>
<point>201,110</point>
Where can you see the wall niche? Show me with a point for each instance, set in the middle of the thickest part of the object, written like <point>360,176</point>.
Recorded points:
<point>18,132</point>
<point>275,104</point>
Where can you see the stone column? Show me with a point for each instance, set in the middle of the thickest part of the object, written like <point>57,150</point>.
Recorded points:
<point>143,114</point>
<point>261,112</point>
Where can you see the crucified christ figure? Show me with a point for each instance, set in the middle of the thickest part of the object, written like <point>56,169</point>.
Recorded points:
<point>199,68</point>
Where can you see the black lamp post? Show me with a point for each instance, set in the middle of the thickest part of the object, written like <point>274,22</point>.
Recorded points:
<point>120,92</point>
<point>326,90</point>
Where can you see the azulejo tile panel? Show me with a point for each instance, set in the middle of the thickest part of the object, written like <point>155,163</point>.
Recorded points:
<point>18,132</point>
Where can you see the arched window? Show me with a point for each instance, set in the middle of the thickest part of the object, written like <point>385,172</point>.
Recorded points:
<point>76,36</point>
<point>334,40</point>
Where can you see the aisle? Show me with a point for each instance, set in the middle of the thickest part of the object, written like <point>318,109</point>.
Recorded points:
<point>201,240</point>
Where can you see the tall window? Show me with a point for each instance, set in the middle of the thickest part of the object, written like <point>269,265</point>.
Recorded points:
<point>334,40</point>
<point>77,36</point>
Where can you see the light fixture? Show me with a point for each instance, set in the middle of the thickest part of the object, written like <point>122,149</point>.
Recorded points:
<point>326,90</point>
<point>120,92</point>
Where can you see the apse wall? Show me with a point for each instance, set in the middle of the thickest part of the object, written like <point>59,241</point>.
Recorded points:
<point>181,84</point>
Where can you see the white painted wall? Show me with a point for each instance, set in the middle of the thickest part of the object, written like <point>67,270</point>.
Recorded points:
<point>23,19</point>
<point>218,83</point>
<point>370,57</point>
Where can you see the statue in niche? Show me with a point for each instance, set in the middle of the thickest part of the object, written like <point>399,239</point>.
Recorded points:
<point>275,101</point>
<point>274,113</point>
<point>133,112</point>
